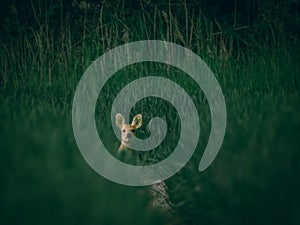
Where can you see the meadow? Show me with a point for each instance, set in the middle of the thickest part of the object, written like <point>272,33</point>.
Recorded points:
<point>45,180</point>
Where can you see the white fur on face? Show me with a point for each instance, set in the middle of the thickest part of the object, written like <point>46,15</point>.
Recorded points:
<point>128,130</point>
<point>128,133</point>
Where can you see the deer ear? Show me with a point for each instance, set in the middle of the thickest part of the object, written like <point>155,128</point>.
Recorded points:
<point>119,120</point>
<point>137,121</point>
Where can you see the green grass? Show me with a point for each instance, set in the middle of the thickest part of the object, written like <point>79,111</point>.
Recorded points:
<point>45,180</point>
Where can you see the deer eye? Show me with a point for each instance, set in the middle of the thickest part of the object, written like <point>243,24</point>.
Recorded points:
<point>123,130</point>
<point>133,130</point>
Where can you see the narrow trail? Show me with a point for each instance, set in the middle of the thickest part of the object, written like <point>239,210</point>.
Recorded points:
<point>160,196</point>
<point>161,201</point>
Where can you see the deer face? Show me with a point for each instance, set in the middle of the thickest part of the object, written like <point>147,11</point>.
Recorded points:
<point>128,130</point>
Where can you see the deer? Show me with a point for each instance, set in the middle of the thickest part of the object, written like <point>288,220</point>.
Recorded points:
<point>128,131</point>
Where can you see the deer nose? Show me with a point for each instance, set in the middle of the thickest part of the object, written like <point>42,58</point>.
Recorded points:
<point>129,135</point>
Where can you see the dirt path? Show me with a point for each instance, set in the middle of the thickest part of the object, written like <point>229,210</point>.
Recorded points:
<point>161,201</point>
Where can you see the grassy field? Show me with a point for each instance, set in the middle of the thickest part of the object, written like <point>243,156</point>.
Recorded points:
<point>254,179</point>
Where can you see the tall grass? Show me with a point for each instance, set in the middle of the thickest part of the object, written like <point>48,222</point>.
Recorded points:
<point>44,179</point>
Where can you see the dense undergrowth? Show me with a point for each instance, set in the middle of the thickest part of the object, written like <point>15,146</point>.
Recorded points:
<point>44,179</point>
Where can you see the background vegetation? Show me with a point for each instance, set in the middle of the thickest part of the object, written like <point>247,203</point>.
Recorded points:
<point>251,46</point>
